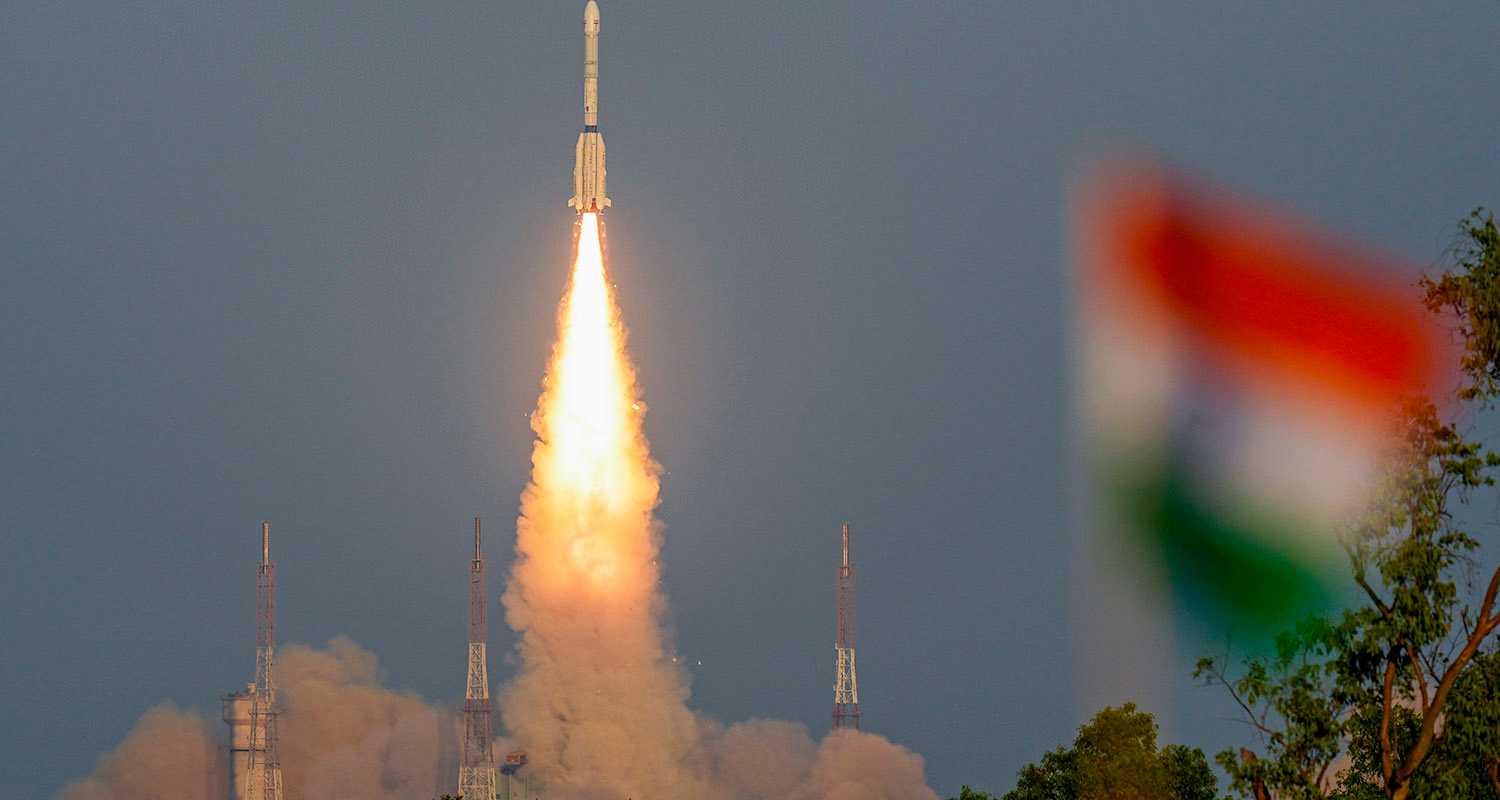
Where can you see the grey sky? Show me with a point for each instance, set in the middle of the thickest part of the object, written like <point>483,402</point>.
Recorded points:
<point>303,262</point>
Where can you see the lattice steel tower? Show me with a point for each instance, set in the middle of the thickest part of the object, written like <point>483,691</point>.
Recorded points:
<point>476,772</point>
<point>846,684</point>
<point>263,775</point>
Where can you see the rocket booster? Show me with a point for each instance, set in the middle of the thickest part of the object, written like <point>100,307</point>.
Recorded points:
<point>588,165</point>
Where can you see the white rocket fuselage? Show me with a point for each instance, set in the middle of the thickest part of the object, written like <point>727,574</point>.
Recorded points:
<point>588,166</point>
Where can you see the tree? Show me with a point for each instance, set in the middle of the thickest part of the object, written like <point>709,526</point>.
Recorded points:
<point>1471,726</point>
<point>965,793</point>
<point>1115,757</point>
<point>1292,701</point>
<point>1400,686</point>
<point>1055,778</point>
<point>1188,773</point>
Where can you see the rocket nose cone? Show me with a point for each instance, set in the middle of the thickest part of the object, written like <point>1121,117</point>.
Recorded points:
<point>591,13</point>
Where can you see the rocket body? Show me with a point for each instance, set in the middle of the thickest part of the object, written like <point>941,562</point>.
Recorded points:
<point>588,165</point>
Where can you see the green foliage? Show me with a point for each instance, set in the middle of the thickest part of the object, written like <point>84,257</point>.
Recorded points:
<point>1412,567</point>
<point>1471,734</point>
<point>1188,773</point>
<point>1292,701</point>
<point>1055,778</point>
<point>965,793</point>
<point>1466,762</point>
<point>1399,687</point>
<point>1471,294</point>
<point>1115,757</point>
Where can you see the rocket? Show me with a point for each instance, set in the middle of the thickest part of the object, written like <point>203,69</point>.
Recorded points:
<point>588,166</point>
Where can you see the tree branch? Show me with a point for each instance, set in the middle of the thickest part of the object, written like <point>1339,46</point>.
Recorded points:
<point>1387,759</point>
<point>1323,771</point>
<point>1257,783</point>
<point>1432,713</point>
<point>1416,667</point>
<point>1257,722</point>
<point>1385,611</point>
<point>1489,601</point>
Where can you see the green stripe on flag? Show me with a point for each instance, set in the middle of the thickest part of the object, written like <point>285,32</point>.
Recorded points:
<point>1225,561</point>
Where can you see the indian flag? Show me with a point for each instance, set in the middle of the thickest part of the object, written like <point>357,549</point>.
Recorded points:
<point>1239,386</point>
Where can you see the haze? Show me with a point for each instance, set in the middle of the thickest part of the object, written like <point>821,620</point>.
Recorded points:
<point>302,263</point>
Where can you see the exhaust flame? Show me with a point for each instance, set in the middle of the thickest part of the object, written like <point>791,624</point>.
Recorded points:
<point>588,414</point>
<point>598,702</point>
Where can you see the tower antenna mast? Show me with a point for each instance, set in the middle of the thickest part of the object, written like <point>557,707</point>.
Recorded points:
<point>846,683</point>
<point>476,772</point>
<point>263,777</point>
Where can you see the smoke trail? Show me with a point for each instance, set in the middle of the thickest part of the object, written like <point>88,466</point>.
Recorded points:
<point>598,703</point>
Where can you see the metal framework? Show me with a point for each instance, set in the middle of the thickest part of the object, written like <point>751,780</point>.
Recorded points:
<point>263,776</point>
<point>846,681</point>
<point>476,772</point>
<point>516,786</point>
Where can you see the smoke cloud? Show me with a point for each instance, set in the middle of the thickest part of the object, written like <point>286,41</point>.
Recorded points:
<point>167,745</point>
<point>346,737</point>
<point>343,735</point>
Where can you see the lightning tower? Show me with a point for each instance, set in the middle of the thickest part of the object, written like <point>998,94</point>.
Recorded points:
<point>846,683</point>
<point>263,775</point>
<point>476,772</point>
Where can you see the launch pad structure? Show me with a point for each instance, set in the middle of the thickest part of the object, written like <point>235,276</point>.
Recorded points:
<point>476,770</point>
<point>254,757</point>
<point>846,681</point>
<point>517,786</point>
<point>252,714</point>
